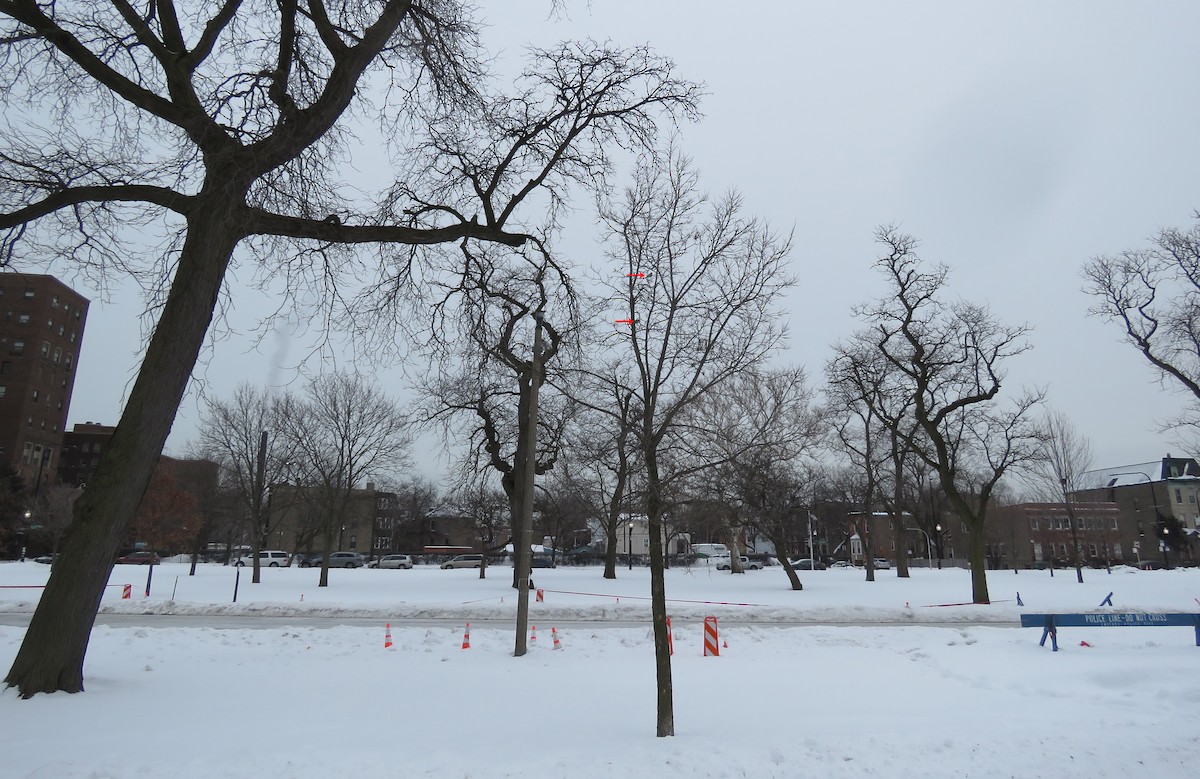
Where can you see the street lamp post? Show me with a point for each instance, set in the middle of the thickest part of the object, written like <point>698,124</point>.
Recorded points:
<point>629,541</point>
<point>928,546</point>
<point>938,529</point>
<point>1166,532</point>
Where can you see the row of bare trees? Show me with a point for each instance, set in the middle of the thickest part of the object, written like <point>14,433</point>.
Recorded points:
<point>218,125</point>
<point>335,435</point>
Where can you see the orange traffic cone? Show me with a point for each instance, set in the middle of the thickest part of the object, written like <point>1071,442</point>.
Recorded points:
<point>533,634</point>
<point>387,637</point>
<point>557,643</point>
<point>467,637</point>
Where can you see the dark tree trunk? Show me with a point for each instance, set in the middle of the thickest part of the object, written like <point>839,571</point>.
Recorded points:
<point>977,557</point>
<point>658,601</point>
<point>610,551</point>
<point>780,542</point>
<point>51,655</point>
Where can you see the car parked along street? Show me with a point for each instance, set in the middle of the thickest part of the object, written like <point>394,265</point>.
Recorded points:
<point>392,561</point>
<point>747,564</point>
<point>267,558</point>
<point>464,561</point>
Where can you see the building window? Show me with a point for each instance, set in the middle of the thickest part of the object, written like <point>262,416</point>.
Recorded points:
<point>36,394</point>
<point>1092,550</point>
<point>18,347</point>
<point>45,348</point>
<point>29,293</point>
<point>57,355</point>
<point>1114,523</point>
<point>27,453</point>
<point>1178,495</point>
<point>23,318</point>
<point>1033,523</point>
<point>72,337</point>
<point>54,301</point>
<point>1117,551</point>
<point>1191,497</point>
<point>3,390</point>
<point>68,360</point>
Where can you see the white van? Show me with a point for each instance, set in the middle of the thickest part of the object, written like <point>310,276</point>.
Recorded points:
<point>268,558</point>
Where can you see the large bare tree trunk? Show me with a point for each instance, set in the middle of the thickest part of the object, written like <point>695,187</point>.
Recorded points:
<point>51,655</point>
<point>977,554</point>
<point>610,551</point>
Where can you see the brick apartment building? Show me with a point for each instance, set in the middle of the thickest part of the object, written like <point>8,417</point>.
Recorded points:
<point>41,331</point>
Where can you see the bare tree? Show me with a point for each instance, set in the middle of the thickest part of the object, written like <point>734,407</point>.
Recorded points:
<point>761,423</point>
<point>873,414</point>
<point>221,124</point>
<point>54,509</point>
<point>1065,456</point>
<point>949,357</point>
<point>697,285</point>
<point>602,445</point>
<point>242,434</point>
<point>1154,294</point>
<point>488,510</point>
<point>342,432</point>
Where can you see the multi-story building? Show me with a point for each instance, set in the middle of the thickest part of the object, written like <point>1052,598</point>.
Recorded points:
<point>1161,495</point>
<point>1040,534</point>
<point>41,330</point>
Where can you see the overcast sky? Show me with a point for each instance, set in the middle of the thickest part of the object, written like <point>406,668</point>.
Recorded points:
<point>1016,140</point>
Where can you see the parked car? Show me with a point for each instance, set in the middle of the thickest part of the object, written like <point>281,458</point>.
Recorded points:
<point>541,561</point>
<point>747,564</point>
<point>392,561</point>
<point>1150,565</point>
<point>841,564</point>
<point>46,559</point>
<point>345,560</point>
<point>882,563</point>
<point>311,561</point>
<point>807,564</point>
<point>464,561</point>
<point>267,558</point>
<point>138,558</point>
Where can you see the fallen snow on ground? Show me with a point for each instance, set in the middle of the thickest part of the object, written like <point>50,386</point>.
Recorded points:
<point>861,700</point>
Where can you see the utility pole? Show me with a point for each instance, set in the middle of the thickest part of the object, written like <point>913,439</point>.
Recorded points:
<point>260,523</point>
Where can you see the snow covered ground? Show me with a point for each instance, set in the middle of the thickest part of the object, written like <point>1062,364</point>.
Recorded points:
<point>864,698</point>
